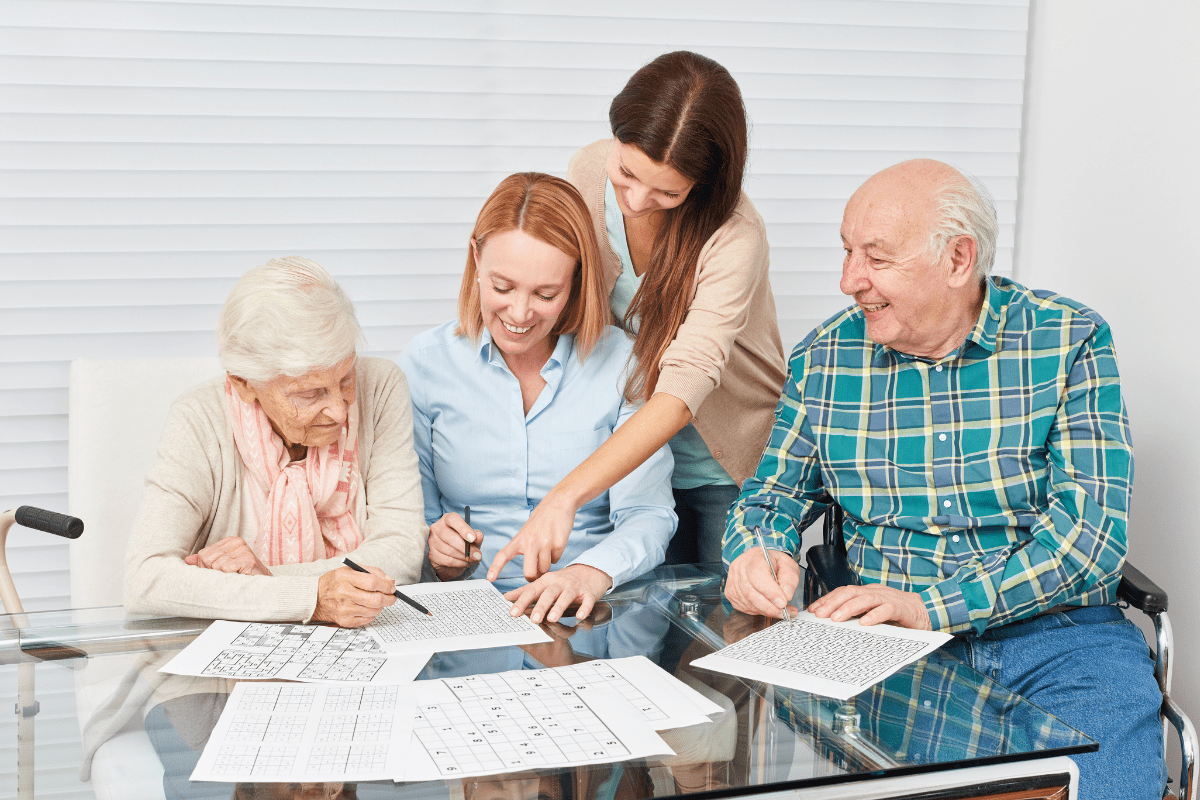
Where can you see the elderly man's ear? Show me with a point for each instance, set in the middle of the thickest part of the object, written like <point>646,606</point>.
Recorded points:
<point>962,262</point>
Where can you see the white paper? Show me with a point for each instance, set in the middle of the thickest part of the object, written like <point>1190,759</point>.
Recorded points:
<point>461,732</point>
<point>662,699</point>
<point>311,653</point>
<point>277,731</point>
<point>833,659</point>
<point>467,615</point>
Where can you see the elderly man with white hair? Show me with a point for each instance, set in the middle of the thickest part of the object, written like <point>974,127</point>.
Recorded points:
<point>974,434</point>
<point>268,476</point>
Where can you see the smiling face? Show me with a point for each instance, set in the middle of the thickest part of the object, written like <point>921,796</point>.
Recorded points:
<point>524,285</point>
<point>642,185</point>
<point>309,410</point>
<point>913,302</point>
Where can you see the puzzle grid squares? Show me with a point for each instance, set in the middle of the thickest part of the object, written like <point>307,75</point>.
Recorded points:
<point>278,698</point>
<point>266,729</point>
<point>493,731</point>
<point>353,728</point>
<point>361,698</point>
<point>844,655</point>
<point>590,675</point>
<point>293,644</point>
<point>343,760</point>
<point>469,612</point>
<point>259,762</point>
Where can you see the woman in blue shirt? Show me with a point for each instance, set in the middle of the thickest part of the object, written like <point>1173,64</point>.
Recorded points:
<point>520,389</point>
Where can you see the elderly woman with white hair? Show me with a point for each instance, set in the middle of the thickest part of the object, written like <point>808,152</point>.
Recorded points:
<point>268,476</point>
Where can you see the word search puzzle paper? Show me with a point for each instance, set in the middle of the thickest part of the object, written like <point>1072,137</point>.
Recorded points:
<point>833,659</point>
<point>467,615</point>
<point>485,727</point>
<point>313,653</point>
<point>294,732</point>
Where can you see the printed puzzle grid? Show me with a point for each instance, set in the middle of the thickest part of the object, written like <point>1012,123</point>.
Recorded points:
<point>346,738</point>
<point>294,644</point>
<point>587,675</point>
<point>469,612</point>
<point>495,729</point>
<point>843,655</point>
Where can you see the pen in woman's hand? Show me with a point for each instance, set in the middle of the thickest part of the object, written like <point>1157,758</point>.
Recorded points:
<point>399,594</point>
<point>467,517</point>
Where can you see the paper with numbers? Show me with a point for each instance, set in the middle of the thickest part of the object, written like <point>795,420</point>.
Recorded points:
<point>467,615</point>
<point>487,727</point>
<point>832,659</point>
<point>275,731</point>
<point>313,653</point>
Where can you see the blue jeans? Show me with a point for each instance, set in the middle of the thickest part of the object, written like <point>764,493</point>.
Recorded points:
<point>702,513</point>
<point>1091,668</point>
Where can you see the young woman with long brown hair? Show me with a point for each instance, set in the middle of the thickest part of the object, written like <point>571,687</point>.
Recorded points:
<point>685,262</point>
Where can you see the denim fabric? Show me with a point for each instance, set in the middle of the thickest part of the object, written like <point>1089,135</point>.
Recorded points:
<point>702,513</point>
<point>1091,668</point>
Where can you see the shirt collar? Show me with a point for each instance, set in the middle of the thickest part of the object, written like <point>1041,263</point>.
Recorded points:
<point>980,341</point>
<point>561,354</point>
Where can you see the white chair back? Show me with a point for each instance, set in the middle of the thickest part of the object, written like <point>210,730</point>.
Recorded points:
<point>117,412</point>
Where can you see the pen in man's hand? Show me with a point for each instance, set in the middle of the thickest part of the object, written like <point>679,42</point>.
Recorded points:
<point>771,566</point>
<point>399,594</point>
<point>467,517</point>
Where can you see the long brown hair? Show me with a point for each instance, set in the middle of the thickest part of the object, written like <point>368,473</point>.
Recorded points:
<point>549,209</point>
<point>683,110</point>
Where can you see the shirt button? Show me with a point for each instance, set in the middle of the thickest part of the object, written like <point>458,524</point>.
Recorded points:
<point>946,503</point>
<point>954,538</point>
<point>938,368</point>
<point>928,703</point>
<point>941,437</point>
<point>718,454</point>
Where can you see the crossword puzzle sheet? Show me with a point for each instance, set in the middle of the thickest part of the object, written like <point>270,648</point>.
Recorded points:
<point>275,731</point>
<point>314,653</point>
<point>834,659</point>
<point>467,615</point>
<point>484,726</point>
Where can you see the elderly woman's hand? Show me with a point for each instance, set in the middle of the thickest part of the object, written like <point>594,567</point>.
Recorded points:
<point>231,554</point>
<point>553,593</point>
<point>351,599</point>
<point>447,546</point>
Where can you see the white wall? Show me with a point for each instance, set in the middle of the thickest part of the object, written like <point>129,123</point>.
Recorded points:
<point>1110,215</point>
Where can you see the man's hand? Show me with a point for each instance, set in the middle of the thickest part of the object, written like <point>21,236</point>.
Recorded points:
<point>541,540</point>
<point>554,592</point>
<point>352,599</point>
<point>448,538</point>
<point>751,589</point>
<point>875,603</point>
<point>231,554</point>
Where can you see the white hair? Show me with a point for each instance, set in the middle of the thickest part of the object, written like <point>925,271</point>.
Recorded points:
<point>286,317</point>
<point>965,208</point>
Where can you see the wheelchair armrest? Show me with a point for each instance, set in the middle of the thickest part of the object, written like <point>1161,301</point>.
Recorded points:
<point>830,567</point>
<point>1141,592</point>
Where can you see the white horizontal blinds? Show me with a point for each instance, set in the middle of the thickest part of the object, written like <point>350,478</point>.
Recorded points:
<point>153,151</point>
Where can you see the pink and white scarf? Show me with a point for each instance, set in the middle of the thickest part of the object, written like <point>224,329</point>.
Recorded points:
<point>304,510</point>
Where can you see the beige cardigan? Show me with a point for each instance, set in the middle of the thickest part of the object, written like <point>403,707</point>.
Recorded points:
<point>194,497</point>
<point>726,361</point>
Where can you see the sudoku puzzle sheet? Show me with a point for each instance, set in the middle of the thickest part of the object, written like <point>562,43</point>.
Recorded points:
<point>493,727</point>
<point>838,654</point>
<point>263,650</point>
<point>289,731</point>
<point>588,675</point>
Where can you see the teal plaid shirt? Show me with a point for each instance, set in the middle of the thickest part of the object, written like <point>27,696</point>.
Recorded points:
<point>994,482</point>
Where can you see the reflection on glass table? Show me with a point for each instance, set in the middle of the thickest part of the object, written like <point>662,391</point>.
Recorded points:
<point>112,725</point>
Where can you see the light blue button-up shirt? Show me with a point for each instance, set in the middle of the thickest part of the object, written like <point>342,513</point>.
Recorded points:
<point>477,447</point>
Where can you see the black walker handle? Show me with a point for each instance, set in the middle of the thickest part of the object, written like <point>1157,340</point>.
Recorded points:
<point>49,521</point>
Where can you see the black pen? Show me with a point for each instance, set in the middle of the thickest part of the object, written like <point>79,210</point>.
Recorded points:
<point>399,594</point>
<point>467,517</point>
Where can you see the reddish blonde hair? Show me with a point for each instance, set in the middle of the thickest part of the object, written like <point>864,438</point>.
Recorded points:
<point>551,210</point>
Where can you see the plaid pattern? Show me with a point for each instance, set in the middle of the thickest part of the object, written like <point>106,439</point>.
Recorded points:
<point>995,482</point>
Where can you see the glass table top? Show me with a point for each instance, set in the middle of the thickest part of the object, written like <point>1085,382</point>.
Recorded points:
<point>92,676</point>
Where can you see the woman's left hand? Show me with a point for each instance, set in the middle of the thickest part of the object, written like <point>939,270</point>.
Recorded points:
<point>231,554</point>
<point>553,593</point>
